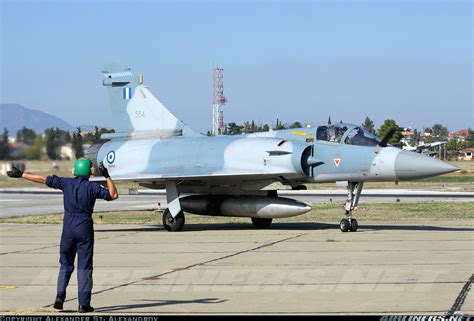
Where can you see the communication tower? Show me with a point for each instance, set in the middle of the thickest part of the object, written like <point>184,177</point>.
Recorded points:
<point>218,102</point>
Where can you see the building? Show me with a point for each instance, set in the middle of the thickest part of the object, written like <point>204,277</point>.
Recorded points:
<point>460,135</point>
<point>408,136</point>
<point>466,154</point>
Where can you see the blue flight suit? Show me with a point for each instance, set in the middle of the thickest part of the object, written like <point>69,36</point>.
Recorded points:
<point>78,232</point>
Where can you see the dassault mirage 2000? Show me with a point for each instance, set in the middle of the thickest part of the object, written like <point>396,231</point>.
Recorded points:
<point>236,175</point>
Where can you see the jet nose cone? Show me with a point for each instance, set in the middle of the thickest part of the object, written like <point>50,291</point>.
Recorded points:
<point>410,165</point>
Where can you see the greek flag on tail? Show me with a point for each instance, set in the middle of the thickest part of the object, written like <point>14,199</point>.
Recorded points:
<point>127,93</point>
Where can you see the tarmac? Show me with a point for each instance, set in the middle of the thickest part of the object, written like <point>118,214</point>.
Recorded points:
<point>292,268</point>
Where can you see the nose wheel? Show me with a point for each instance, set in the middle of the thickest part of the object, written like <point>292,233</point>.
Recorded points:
<point>349,223</point>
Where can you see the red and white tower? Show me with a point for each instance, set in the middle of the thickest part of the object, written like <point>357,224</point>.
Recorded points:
<point>218,102</point>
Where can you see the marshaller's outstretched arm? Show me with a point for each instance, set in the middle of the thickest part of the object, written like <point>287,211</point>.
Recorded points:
<point>16,173</point>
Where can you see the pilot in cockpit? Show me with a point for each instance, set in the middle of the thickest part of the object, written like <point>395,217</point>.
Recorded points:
<point>359,138</point>
<point>338,133</point>
<point>322,133</point>
<point>332,133</point>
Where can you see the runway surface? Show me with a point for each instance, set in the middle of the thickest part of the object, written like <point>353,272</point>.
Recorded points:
<point>297,268</point>
<point>47,201</point>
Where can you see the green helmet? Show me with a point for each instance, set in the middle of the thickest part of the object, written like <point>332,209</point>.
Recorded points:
<point>82,167</point>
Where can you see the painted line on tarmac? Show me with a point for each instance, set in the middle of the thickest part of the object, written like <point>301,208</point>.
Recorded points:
<point>224,257</point>
<point>462,296</point>
<point>154,277</point>
<point>58,244</point>
<point>30,250</point>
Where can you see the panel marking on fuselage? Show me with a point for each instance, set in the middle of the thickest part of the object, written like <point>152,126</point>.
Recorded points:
<point>299,133</point>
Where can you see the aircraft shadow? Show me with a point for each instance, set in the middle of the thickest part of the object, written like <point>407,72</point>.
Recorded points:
<point>294,226</point>
<point>145,228</point>
<point>225,227</point>
<point>249,226</point>
<point>324,226</point>
<point>157,303</point>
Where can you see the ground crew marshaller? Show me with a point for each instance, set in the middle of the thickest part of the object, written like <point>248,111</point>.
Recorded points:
<point>78,233</point>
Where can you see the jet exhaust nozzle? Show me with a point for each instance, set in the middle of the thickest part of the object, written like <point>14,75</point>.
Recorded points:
<point>91,154</point>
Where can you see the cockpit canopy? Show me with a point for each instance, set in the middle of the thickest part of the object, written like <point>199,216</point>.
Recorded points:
<point>347,134</point>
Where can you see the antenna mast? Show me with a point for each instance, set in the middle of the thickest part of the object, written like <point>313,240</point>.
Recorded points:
<point>218,102</point>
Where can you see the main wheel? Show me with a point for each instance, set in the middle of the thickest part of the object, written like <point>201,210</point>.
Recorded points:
<point>354,225</point>
<point>261,222</point>
<point>345,225</point>
<point>173,224</point>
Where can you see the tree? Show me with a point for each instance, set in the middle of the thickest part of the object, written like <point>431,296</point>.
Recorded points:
<point>247,127</point>
<point>94,137</point>
<point>329,120</point>
<point>416,136</point>
<point>389,124</point>
<point>26,135</point>
<point>470,138</point>
<point>470,135</point>
<point>462,145</point>
<point>428,139</point>
<point>452,145</point>
<point>279,125</point>
<point>4,145</point>
<point>440,133</point>
<point>55,138</point>
<point>234,129</point>
<point>64,137</point>
<point>51,144</point>
<point>369,125</point>
<point>34,151</point>
<point>296,124</point>
<point>77,144</point>
<point>96,134</point>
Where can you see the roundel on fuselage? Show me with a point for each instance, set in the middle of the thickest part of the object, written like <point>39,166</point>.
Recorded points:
<point>111,157</point>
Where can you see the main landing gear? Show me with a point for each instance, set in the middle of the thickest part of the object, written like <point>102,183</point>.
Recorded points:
<point>173,216</point>
<point>349,223</point>
<point>173,224</point>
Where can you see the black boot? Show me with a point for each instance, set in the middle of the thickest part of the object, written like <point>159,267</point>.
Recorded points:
<point>85,309</point>
<point>58,303</point>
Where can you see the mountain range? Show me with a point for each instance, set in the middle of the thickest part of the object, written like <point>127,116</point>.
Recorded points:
<point>14,116</point>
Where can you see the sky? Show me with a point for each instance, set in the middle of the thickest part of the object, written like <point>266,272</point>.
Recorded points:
<point>294,60</point>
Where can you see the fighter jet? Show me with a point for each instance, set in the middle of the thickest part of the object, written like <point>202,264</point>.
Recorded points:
<point>240,175</point>
<point>426,149</point>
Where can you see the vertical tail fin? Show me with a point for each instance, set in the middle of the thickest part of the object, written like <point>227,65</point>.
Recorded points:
<point>134,108</point>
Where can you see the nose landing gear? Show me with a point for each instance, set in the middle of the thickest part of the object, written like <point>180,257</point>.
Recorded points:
<point>349,223</point>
